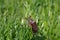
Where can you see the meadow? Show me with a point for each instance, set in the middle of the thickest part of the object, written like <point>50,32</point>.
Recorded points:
<point>13,25</point>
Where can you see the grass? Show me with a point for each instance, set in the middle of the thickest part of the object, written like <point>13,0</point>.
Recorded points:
<point>13,26</point>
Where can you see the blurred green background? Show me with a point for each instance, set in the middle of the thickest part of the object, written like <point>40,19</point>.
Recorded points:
<point>13,26</point>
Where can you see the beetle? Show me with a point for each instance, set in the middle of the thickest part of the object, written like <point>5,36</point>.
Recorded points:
<point>33,24</point>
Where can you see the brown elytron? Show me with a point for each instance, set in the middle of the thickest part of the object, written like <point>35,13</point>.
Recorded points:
<point>33,24</point>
